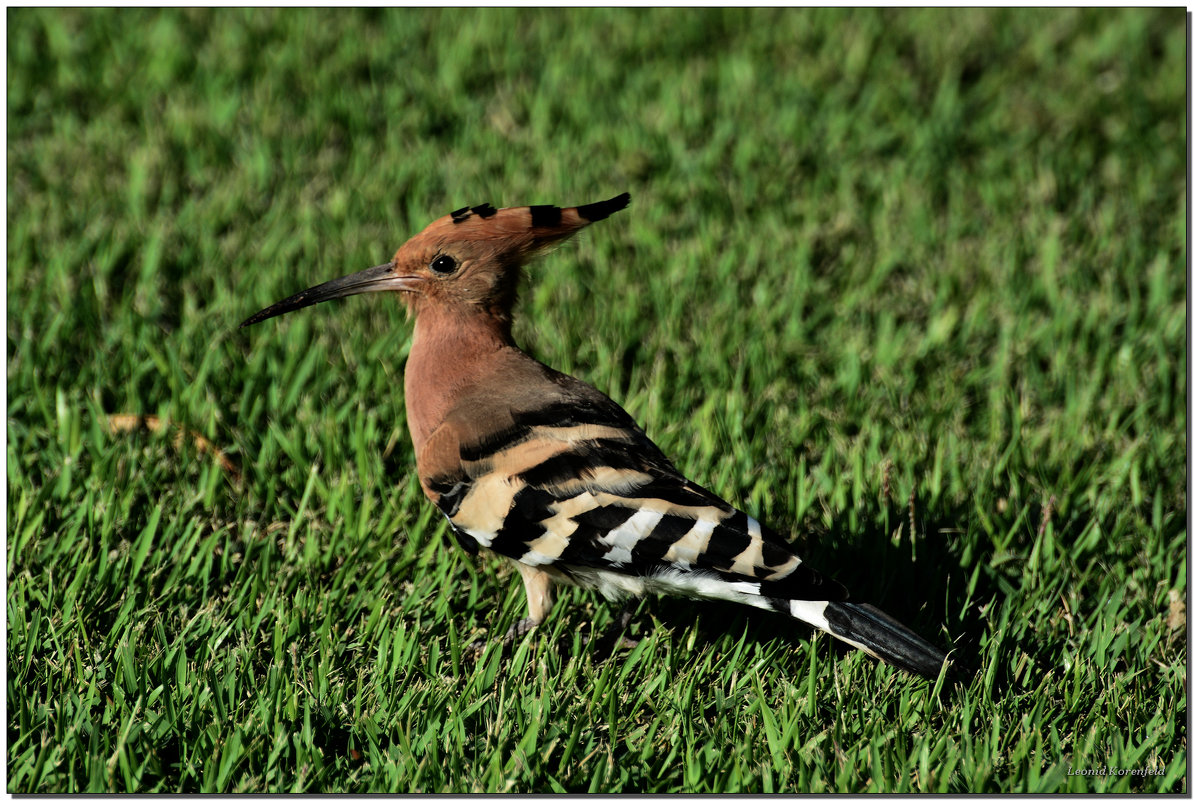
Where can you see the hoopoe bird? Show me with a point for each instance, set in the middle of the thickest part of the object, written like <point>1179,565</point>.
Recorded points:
<point>548,471</point>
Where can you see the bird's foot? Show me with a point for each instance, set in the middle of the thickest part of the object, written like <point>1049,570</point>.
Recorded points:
<point>518,629</point>
<point>477,646</point>
<point>614,638</point>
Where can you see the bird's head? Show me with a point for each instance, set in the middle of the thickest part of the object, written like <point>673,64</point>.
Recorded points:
<point>468,260</point>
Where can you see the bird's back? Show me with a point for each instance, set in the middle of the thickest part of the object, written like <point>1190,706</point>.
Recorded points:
<point>549,471</point>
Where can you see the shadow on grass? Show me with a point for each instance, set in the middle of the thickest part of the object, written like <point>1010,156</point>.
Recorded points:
<point>918,580</point>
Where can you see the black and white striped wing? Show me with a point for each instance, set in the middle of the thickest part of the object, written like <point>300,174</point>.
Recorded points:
<point>579,490</point>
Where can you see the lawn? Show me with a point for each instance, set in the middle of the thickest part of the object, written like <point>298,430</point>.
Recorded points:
<point>910,286</point>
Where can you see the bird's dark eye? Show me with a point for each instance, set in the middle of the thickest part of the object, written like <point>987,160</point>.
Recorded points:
<point>443,265</point>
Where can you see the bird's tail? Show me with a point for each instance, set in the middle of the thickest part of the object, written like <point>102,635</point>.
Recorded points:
<point>874,632</point>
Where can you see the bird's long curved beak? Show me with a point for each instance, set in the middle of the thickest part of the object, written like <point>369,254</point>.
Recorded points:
<point>381,278</point>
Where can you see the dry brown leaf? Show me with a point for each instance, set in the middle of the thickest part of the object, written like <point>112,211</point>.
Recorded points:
<point>125,423</point>
<point>1177,611</point>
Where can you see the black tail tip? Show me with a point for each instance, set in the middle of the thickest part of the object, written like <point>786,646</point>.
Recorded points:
<point>603,208</point>
<point>877,632</point>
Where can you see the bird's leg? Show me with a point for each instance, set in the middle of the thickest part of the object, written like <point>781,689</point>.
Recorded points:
<point>539,600</point>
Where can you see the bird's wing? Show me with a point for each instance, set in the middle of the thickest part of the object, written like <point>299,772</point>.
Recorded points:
<point>571,483</point>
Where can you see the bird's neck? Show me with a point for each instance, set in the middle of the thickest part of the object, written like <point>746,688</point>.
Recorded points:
<point>448,355</point>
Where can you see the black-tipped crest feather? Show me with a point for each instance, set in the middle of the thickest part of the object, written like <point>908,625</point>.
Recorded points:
<point>603,208</point>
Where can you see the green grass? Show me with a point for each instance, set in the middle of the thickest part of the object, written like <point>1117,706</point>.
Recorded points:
<point>909,285</point>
